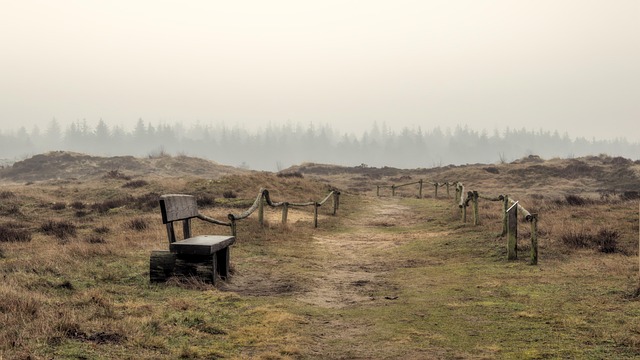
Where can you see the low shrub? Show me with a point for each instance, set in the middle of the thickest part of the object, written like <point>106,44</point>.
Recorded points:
<point>605,241</point>
<point>58,206</point>
<point>60,229</point>
<point>134,184</point>
<point>205,200</point>
<point>575,200</point>
<point>102,230</point>
<point>78,205</point>
<point>138,224</point>
<point>95,239</point>
<point>116,174</point>
<point>14,232</point>
<point>107,205</point>
<point>630,195</point>
<point>229,194</point>
<point>146,202</point>
<point>576,239</point>
<point>7,194</point>
<point>290,174</point>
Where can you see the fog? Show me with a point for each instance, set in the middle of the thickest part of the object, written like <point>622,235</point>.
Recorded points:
<point>277,147</point>
<point>569,66</point>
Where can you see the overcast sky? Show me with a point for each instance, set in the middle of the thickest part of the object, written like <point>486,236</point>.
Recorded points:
<point>566,65</point>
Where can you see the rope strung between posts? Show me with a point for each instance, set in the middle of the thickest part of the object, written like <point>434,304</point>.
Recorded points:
<point>264,194</point>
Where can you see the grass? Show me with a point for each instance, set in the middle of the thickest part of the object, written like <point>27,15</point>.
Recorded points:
<point>387,278</point>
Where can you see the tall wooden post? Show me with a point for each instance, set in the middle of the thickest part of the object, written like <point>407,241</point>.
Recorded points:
<point>476,217</point>
<point>315,215</point>
<point>436,192</point>
<point>512,232</point>
<point>336,202</point>
<point>534,239</point>
<point>448,194</point>
<point>377,190</point>
<point>261,211</point>
<point>420,194</point>
<point>285,212</point>
<point>393,190</point>
<point>457,194</point>
<point>505,206</point>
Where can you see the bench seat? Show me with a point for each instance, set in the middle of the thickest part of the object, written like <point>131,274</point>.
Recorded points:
<point>201,245</point>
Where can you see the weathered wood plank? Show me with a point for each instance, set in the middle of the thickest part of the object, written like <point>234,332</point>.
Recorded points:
<point>177,207</point>
<point>202,244</point>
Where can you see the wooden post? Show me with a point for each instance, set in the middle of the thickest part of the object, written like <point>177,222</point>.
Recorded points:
<point>534,239</point>
<point>234,231</point>
<point>261,211</point>
<point>285,212</point>
<point>464,213</point>
<point>315,215</point>
<point>504,215</point>
<point>336,202</point>
<point>474,197</point>
<point>420,195</point>
<point>436,192</point>
<point>393,190</point>
<point>378,190</point>
<point>448,193</point>
<point>512,232</point>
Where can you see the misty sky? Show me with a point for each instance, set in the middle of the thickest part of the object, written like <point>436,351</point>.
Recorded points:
<point>566,65</point>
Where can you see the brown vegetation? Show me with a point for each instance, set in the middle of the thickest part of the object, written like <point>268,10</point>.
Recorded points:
<point>387,278</point>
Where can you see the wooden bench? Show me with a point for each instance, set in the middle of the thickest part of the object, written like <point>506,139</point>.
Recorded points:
<point>204,256</point>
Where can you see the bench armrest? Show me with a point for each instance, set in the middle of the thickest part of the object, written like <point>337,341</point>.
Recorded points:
<point>212,220</point>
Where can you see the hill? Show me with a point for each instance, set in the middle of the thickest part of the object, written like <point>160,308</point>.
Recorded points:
<point>70,165</point>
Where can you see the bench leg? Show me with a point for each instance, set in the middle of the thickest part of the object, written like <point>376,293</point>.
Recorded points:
<point>161,266</point>
<point>223,262</point>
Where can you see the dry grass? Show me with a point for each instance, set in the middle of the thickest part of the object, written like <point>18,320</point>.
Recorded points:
<point>387,278</point>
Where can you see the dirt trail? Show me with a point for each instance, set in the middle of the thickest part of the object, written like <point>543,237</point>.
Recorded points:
<point>350,270</point>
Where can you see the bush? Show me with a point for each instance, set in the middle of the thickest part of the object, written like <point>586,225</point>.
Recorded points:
<point>575,200</point>
<point>605,241</point>
<point>291,174</point>
<point>576,239</point>
<point>14,232</point>
<point>138,224</point>
<point>107,205</point>
<point>95,239</point>
<point>102,230</point>
<point>630,195</point>
<point>58,206</point>
<point>134,184</point>
<point>229,194</point>
<point>59,229</point>
<point>116,174</point>
<point>146,202</point>
<point>6,194</point>
<point>78,205</point>
<point>205,200</point>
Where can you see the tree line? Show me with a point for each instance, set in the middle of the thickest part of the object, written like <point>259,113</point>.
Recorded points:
<point>277,146</point>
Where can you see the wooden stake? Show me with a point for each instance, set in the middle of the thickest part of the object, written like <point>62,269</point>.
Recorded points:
<point>534,239</point>
<point>512,232</point>
<point>285,212</point>
<point>261,211</point>
<point>315,215</point>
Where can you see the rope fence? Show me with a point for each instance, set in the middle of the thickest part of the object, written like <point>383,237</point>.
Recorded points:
<point>264,198</point>
<point>511,208</point>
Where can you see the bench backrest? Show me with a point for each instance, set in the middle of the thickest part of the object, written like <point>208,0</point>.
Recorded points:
<point>178,207</point>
